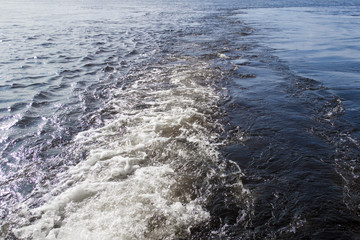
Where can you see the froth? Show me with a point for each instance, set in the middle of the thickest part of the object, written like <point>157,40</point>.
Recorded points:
<point>138,179</point>
<point>139,207</point>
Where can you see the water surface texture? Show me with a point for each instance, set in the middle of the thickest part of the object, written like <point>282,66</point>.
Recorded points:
<point>180,119</point>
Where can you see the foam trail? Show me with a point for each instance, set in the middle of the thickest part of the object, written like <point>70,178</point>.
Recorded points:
<point>138,181</point>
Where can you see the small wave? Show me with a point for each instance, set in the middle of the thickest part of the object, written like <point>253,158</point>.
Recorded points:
<point>27,121</point>
<point>18,106</point>
<point>17,85</point>
<point>43,95</point>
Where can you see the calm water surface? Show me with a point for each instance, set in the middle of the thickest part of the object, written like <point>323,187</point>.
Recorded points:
<point>180,120</point>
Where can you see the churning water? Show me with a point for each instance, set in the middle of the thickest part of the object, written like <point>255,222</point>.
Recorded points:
<point>179,120</point>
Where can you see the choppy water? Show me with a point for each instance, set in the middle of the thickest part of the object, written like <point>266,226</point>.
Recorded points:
<point>180,120</point>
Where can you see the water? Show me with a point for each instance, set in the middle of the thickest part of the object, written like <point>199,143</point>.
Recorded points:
<point>179,120</point>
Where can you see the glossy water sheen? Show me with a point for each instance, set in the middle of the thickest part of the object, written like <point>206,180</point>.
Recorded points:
<point>180,120</point>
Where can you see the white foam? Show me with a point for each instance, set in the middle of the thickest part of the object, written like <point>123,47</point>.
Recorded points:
<point>127,187</point>
<point>222,55</point>
<point>140,207</point>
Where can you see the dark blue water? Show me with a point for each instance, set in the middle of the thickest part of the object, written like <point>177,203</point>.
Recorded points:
<point>180,120</point>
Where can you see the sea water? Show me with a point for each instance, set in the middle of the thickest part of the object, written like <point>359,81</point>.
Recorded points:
<point>179,119</point>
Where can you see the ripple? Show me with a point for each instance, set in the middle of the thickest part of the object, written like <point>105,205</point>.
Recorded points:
<point>18,106</point>
<point>27,121</point>
<point>18,85</point>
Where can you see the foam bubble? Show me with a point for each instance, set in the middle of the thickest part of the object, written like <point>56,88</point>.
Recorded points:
<point>222,55</point>
<point>138,180</point>
<point>139,207</point>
